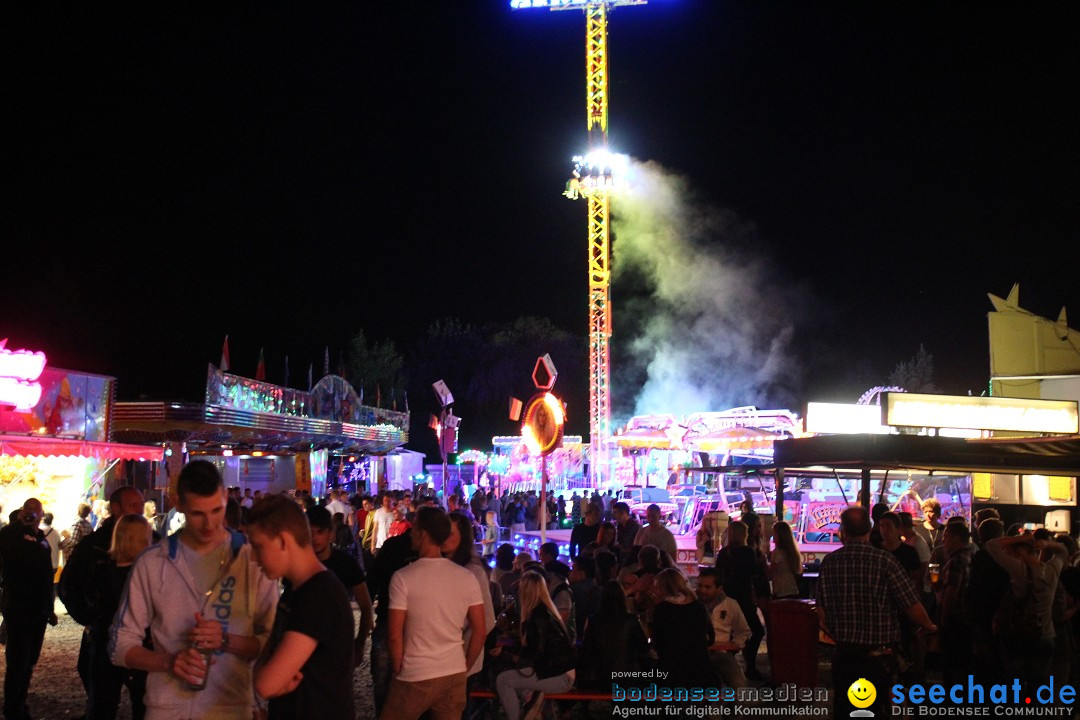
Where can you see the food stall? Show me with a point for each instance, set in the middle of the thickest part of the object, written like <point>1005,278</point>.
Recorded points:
<point>56,436</point>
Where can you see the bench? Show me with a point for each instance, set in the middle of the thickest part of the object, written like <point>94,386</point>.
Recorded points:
<point>572,695</point>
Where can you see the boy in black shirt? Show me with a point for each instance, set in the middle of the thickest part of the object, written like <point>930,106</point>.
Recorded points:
<point>347,570</point>
<point>313,631</point>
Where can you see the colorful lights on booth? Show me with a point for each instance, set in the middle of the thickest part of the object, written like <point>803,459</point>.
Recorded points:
<point>474,457</point>
<point>19,371</point>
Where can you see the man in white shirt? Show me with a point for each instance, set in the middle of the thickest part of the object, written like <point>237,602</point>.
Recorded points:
<point>383,519</point>
<point>431,602</point>
<point>336,505</point>
<point>732,630</point>
<point>654,533</point>
<point>247,501</point>
<point>202,595</point>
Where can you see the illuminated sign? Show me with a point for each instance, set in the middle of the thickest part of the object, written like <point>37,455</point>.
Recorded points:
<point>982,413</point>
<point>568,4</point>
<point>542,430</point>
<point>1059,488</point>
<point>844,419</point>
<point>19,371</point>
<point>982,486</point>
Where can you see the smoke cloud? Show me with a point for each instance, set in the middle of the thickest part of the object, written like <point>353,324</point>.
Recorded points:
<point>701,321</point>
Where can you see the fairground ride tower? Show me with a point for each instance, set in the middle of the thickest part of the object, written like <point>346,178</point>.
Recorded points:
<point>594,180</point>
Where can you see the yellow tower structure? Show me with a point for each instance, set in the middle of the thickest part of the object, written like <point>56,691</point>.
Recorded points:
<point>593,180</point>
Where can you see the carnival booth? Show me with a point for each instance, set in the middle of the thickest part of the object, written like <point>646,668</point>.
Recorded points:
<point>267,437</point>
<point>56,436</point>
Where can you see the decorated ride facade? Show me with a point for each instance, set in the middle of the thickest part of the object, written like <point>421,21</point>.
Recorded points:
<point>272,438</point>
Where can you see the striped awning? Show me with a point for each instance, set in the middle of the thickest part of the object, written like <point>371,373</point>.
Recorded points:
<point>67,447</point>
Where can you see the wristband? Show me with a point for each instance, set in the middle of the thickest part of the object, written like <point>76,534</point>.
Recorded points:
<point>224,642</point>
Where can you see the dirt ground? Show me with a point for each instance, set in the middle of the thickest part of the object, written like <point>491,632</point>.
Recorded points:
<point>56,693</point>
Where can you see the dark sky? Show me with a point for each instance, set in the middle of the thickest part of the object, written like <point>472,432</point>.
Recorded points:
<point>288,176</point>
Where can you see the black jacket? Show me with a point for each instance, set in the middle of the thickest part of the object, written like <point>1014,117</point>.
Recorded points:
<point>547,646</point>
<point>28,573</point>
<point>75,589</point>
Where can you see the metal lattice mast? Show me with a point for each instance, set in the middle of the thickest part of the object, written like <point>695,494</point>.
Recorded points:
<point>599,202</point>
<point>593,180</point>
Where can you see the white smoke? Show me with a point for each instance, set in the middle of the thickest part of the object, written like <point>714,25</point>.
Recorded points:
<point>708,325</point>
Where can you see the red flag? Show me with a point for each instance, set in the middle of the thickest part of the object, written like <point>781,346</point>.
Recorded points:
<point>260,369</point>
<point>224,364</point>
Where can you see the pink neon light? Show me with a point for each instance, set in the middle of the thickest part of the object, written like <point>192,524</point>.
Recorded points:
<point>23,395</point>
<point>21,364</point>
<point>18,370</point>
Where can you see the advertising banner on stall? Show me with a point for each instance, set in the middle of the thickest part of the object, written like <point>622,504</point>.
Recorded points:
<point>72,405</point>
<point>303,472</point>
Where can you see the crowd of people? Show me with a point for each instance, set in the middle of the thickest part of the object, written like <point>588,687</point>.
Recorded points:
<point>918,602</point>
<point>233,604</point>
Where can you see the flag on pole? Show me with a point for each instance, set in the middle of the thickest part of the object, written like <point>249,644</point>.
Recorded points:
<point>224,364</point>
<point>260,369</point>
<point>310,370</point>
<point>326,361</point>
<point>286,384</point>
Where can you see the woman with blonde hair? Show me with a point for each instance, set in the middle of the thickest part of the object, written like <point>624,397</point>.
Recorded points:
<point>785,565</point>
<point>682,632</point>
<point>545,663</point>
<point>131,535</point>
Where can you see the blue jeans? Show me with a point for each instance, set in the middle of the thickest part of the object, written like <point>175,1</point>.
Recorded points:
<point>511,684</point>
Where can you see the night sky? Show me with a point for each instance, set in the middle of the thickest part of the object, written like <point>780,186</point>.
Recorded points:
<point>288,176</point>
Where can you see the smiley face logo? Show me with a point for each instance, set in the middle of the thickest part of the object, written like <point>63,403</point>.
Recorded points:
<point>862,693</point>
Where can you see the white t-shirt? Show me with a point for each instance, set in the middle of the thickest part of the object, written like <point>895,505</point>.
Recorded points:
<point>336,506</point>
<point>436,594</point>
<point>477,570</point>
<point>383,520</point>
<point>661,538</point>
<point>53,538</point>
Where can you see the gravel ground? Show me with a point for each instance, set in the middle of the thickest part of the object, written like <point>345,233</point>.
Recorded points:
<point>56,693</point>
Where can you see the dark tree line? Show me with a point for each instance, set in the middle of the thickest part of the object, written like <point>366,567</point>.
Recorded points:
<point>484,366</point>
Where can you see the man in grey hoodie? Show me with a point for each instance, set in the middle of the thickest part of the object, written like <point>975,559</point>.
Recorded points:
<point>201,593</point>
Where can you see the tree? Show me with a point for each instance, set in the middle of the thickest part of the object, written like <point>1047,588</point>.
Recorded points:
<point>486,366</point>
<point>372,365</point>
<point>917,374</point>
